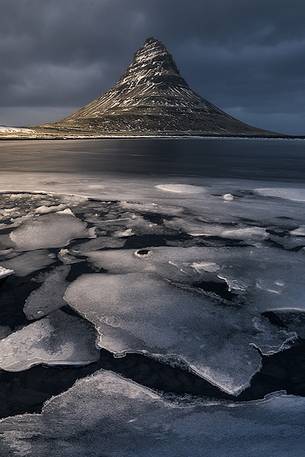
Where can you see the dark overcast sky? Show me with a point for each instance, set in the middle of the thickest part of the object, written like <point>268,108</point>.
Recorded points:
<point>246,56</point>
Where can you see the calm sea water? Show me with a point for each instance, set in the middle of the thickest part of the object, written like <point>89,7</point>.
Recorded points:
<point>215,158</point>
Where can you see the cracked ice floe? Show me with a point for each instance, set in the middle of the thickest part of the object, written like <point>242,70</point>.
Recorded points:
<point>288,242</point>
<point>124,233</point>
<point>50,230</point>
<point>128,225</point>
<point>66,257</point>
<point>152,208</point>
<point>181,188</point>
<point>49,296</point>
<point>300,231</point>
<point>254,272</point>
<point>228,197</point>
<point>5,272</point>
<point>209,267</point>
<point>29,262</point>
<point>287,193</point>
<point>291,319</point>
<point>247,233</point>
<point>209,230</point>
<point>234,284</point>
<point>29,205</point>
<point>119,261</point>
<point>108,415</point>
<point>49,209</point>
<point>99,243</point>
<point>54,340</point>
<point>70,213</point>
<point>138,313</point>
<point>197,228</point>
<point>140,226</point>
<point>5,242</point>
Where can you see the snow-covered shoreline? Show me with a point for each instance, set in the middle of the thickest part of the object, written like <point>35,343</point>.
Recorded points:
<point>13,137</point>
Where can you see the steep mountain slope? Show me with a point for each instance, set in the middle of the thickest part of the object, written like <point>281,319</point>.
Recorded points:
<point>151,98</point>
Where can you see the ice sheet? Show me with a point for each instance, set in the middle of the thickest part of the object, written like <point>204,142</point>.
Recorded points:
<point>29,262</point>
<point>136,312</point>
<point>255,271</point>
<point>102,242</point>
<point>49,296</point>
<point>44,209</point>
<point>196,228</point>
<point>5,272</point>
<point>300,231</point>
<point>54,340</point>
<point>50,230</point>
<point>180,188</point>
<point>106,415</point>
<point>228,197</point>
<point>287,193</point>
<point>154,208</point>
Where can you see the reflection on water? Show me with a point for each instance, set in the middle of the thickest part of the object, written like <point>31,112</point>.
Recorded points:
<point>249,159</point>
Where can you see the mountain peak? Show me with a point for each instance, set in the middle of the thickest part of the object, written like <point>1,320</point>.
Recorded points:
<point>152,62</point>
<point>152,40</point>
<point>152,98</point>
<point>153,44</point>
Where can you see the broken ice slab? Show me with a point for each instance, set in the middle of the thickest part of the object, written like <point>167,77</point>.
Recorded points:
<point>248,207</point>
<point>5,272</point>
<point>228,197</point>
<point>119,261</point>
<point>267,277</point>
<point>49,230</point>
<point>106,414</point>
<point>292,242</point>
<point>287,193</point>
<point>292,319</point>
<point>5,242</point>
<point>29,262</point>
<point>245,233</point>
<point>154,208</point>
<point>66,257</point>
<point>103,242</point>
<point>50,209</point>
<point>138,225</point>
<point>300,231</point>
<point>54,340</point>
<point>16,208</point>
<point>49,296</point>
<point>196,228</point>
<point>181,188</point>
<point>139,313</point>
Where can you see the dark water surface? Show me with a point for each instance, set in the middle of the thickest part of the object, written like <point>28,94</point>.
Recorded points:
<point>215,158</point>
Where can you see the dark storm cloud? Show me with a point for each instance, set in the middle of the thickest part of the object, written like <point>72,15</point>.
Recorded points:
<point>246,56</point>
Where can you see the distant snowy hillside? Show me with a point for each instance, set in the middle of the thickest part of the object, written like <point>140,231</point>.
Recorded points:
<point>5,129</point>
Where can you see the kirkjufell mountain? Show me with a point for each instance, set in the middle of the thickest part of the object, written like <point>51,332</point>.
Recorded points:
<point>150,99</point>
